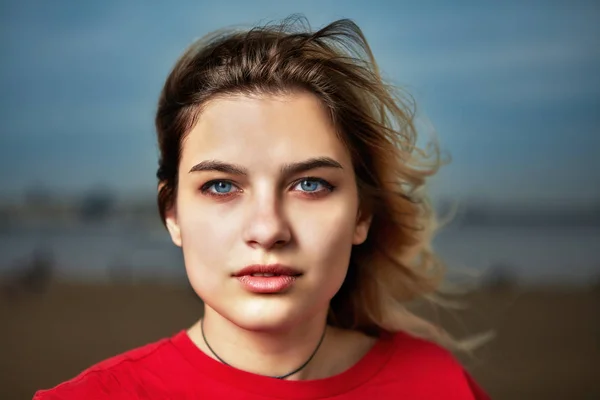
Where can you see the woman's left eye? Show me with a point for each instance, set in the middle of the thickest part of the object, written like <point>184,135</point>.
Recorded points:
<point>312,185</point>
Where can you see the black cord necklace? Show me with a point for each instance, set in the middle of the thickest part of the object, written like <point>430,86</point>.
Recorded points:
<point>277,377</point>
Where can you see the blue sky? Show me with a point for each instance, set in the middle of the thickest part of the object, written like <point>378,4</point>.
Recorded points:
<point>512,90</point>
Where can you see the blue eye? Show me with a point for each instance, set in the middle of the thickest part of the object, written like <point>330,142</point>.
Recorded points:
<point>218,188</point>
<point>310,185</point>
<point>313,186</point>
<point>222,187</point>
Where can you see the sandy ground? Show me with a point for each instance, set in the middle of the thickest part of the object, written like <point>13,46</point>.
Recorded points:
<point>547,344</point>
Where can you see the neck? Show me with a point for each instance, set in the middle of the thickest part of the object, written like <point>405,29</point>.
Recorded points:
<point>270,352</point>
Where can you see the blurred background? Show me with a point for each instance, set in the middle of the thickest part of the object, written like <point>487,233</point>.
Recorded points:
<point>512,91</point>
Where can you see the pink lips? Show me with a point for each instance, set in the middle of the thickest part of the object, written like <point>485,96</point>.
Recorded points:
<point>273,278</point>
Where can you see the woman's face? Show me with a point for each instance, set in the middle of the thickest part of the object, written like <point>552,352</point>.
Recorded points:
<point>264,180</point>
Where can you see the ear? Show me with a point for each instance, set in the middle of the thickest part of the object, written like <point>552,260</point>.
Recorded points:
<point>172,223</point>
<point>361,229</point>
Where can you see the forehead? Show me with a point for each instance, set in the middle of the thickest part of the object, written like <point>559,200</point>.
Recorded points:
<point>259,129</point>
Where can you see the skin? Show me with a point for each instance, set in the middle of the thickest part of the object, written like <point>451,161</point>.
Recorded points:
<point>226,220</point>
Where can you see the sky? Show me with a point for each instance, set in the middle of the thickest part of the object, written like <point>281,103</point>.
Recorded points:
<point>511,90</point>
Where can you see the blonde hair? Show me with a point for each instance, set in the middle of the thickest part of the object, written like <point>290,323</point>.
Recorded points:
<point>375,121</point>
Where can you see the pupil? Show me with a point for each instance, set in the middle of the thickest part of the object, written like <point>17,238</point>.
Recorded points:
<point>222,186</point>
<point>309,185</point>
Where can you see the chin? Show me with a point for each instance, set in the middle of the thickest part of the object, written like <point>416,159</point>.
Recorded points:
<point>267,313</point>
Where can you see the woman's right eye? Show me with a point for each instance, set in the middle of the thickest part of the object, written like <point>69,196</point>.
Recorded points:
<point>218,188</point>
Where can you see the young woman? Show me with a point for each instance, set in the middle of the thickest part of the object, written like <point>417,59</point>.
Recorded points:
<point>289,177</point>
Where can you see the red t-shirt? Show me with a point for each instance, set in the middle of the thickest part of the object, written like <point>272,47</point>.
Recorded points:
<point>397,367</point>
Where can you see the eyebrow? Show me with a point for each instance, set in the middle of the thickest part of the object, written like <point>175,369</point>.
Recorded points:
<point>286,170</point>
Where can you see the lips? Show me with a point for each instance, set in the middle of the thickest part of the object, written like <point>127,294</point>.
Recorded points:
<point>267,278</point>
<point>267,270</point>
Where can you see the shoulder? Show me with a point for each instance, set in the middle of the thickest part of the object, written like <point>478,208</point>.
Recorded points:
<point>430,366</point>
<point>118,377</point>
<point>413,349</point>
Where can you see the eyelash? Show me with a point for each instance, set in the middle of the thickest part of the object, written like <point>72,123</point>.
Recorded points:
<point>205,189</point>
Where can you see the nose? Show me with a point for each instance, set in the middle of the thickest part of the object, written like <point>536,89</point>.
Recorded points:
<point>266,226</point>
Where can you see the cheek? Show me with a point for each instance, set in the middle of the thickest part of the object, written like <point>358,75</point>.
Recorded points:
<point>327,237</point>
<point>207,239</point>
